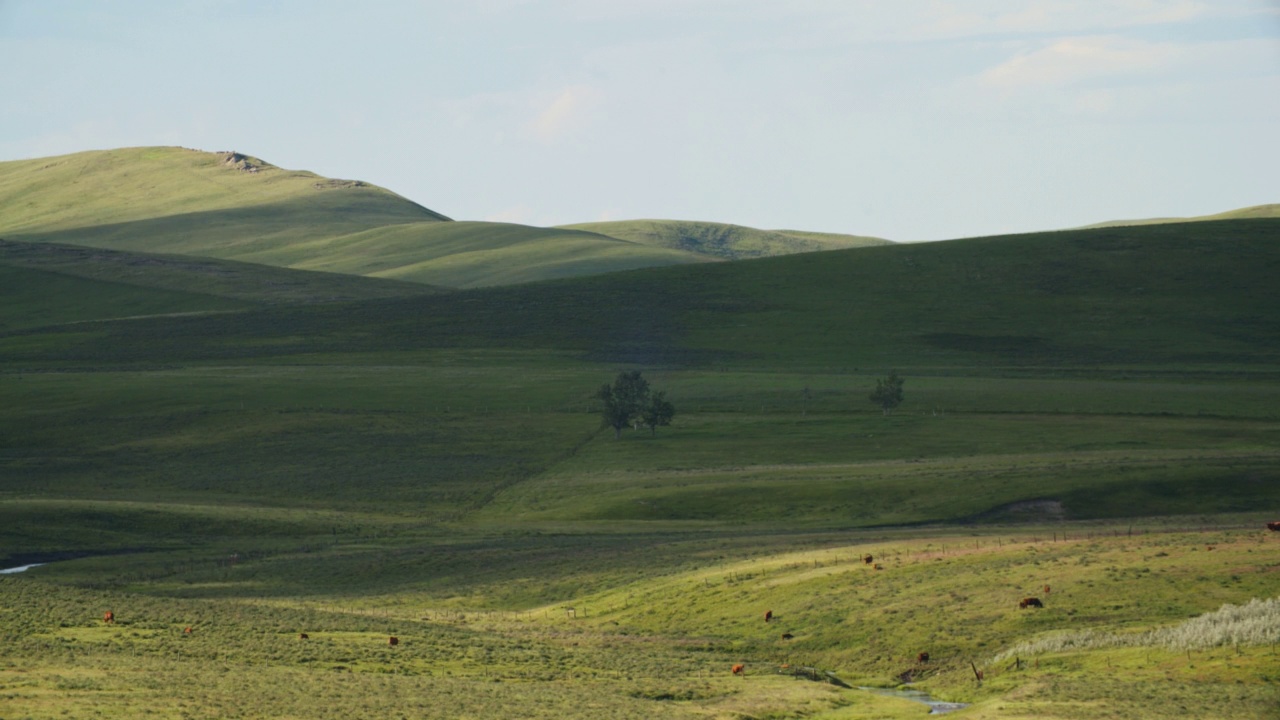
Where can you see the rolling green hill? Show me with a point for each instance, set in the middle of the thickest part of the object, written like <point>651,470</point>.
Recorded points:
<point>235,207</point>
<point>1198,294</point>
<point>1253,212</point>
<point>724,241</point>
<point>109,187</point>
<point>258,284</point>
<point>471,254</point>
<point>51,284</point>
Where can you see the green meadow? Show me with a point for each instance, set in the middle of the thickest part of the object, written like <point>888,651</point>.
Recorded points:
<point>257,451</point>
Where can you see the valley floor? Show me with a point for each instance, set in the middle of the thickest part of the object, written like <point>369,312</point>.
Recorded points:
<point>658,638</point>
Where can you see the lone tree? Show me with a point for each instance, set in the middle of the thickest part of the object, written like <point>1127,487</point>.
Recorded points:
<point>657,411</point>
<point>888,393</point>
<point>628,401</point>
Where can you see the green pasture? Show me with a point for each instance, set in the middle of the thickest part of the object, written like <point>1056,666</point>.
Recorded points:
<point>516,438</point>
<point>656,638</point>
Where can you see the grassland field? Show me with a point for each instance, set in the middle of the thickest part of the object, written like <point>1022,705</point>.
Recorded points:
<point>497,503</point>
<point>1094,411</point>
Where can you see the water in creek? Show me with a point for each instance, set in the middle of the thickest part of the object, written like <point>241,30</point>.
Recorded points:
<point>20,568</point>
<point>936,707</point>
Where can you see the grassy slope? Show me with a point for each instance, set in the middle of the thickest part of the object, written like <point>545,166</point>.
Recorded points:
<point>1193,295</point>
<point>720,240</point>
<point>95,188</point>
<point>250,282</point>
<point>178,201</point>
<point>34,298</point>
<point>46,284</point>
<point>472,254</point>
<point>1253,212</point>
<point>392,460</point>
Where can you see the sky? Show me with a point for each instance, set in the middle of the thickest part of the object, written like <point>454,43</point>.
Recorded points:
<point>903,119</point>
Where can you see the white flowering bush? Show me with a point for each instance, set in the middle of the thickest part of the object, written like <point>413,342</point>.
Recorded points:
<point>1257,622</point>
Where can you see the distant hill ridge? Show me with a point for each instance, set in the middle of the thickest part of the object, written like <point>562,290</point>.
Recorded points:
<point>111,186</point>
<point>723,240</point>
<point>233,206</point>
<point>1256,211</point>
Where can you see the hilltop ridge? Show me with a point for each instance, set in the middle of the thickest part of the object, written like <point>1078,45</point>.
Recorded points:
<point>101,187</point>
<point>1271,210</point>
<point>230,205</point>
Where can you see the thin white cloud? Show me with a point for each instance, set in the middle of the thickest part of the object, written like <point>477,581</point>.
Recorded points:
<point>949,19</point>
<point>564,112</point>
<point>1076,59</point>
<point>1111,76</point>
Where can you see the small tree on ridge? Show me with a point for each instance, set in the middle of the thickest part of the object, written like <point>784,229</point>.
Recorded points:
<point>888,393</point>
<point>628,402</point>
<point>657,411</point>
<point>623,400</point>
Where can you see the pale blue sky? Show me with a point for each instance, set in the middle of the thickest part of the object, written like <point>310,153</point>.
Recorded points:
<point>910,119</point>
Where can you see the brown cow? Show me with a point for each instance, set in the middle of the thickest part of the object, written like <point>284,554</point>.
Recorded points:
<point>868,559</point>
<point>922,657</point>
<point>1274,526</point>
<point>768,615</point>
<point>1046,589</point>
<point>393,641</point>
<point>1030,602</point>
<point>187,630</point>
<point>108,617</point>
<point>739,669</point>
<point>303,636</point>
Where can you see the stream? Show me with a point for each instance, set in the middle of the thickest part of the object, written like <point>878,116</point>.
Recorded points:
<point>936,707</point>
<point>20,568</point>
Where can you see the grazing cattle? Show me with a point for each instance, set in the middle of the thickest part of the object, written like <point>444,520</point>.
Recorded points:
<point>1030,602</point>
<point>739,669</point>
<point>1274,526</point>
<point>768,615</point>
<point>393,641</point>
<point>187,630</point>
<point>108,617</point>
<point>1046,589</point>
<point>922,657</point>
<point>787,636</point>
<point>868,559</point>
<point>303,636</point>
